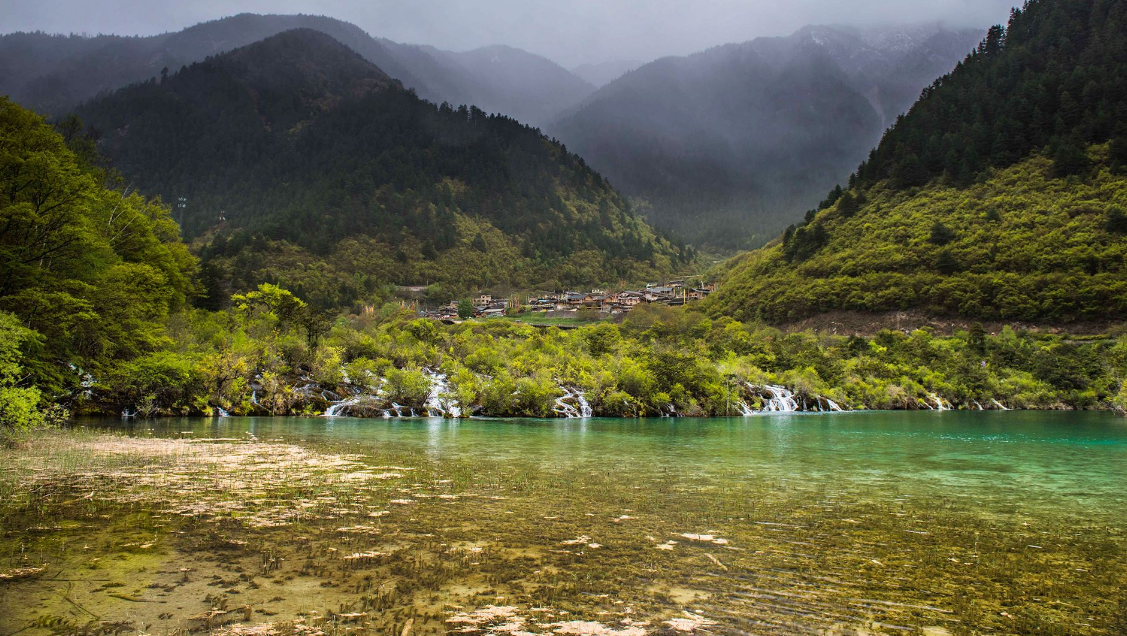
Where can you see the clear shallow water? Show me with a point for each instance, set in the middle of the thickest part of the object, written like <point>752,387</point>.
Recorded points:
<point>853,523</point>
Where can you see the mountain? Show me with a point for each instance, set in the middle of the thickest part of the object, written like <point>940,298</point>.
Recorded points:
<point>730,144</point>
<point>527,87</point>
<point>304,164</point>
<point>603,73</point>
<point>54,73</point>
<point>1000,195</point>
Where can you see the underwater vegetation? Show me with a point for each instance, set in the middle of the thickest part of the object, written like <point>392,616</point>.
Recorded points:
<point>261,529</point>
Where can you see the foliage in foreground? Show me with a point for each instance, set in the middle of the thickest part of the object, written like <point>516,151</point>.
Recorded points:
<point>261,358</point>
<point>89,270</point>
<point>22,407</point>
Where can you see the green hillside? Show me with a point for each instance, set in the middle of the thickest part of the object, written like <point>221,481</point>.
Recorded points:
<point>1000,195</point>
<point>303,164</point>
<point>1021,246</point>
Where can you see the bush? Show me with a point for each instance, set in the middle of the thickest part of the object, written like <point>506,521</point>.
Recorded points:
<point>601,339</point>
<point>22,408</point>
<point>408,387</point>
<point>160,383</point>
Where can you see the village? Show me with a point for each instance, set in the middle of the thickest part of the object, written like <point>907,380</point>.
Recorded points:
<point>606,303</point>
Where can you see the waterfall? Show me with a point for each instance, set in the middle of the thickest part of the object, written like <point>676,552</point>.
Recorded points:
<point>977,404</point>
<point>438,400</point>
<point>581,409</point>
<point>222,412</point>
<point>254,397</point>
<point>337,409</point>
<point>939,406</point>
<point>584,407</point>
<point>782,400</point>
<point>833,405</point>
<point>999,404</point>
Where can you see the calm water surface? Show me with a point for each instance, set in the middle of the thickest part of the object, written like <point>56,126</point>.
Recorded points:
<point>930,523</point>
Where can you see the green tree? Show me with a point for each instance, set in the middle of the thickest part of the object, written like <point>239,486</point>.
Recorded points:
<point>272,303</point>
<point>602,338</point>
<point>947,264</point>
<point>21,406</point>
<point>95,271</point>
<point>848,205</point>
<point>1070,157</point>
<point>465,309</point>
<point>1116,221</point>
<point>941,234</point>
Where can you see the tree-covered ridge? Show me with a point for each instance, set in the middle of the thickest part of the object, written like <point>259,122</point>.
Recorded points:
<point>54,73</point>
<point>89,268</point>
<point>304,170</point>
<point>1023,245</point>
<point>1056,77</point>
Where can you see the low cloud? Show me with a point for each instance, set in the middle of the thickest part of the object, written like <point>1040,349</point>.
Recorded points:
<point>568,31</point>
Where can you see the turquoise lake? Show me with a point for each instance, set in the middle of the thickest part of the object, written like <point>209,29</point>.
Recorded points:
<point>857,523</point>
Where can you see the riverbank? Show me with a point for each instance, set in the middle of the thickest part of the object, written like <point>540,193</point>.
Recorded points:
<point>659,361</point>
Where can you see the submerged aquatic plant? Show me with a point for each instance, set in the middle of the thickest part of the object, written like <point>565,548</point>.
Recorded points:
<point>250,537</point>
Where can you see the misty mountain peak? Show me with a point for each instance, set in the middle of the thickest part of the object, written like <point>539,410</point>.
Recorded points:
<point>746,133</point>
<point>305,60</point>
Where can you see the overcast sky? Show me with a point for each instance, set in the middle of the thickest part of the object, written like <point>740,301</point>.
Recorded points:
<point>568,31</point>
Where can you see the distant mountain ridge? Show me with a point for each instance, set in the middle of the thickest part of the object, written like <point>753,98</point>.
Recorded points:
<point>603,73</point>
<point>54,73</point>
<point>729,145</point>
<point>297,157</point>
<point>522,85</point>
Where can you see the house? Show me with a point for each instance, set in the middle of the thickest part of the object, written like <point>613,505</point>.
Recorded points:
<point>594,300</point>
<point>483,299</point>
<point>630,298</point>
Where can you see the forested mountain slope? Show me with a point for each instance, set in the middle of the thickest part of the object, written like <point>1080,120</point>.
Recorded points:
<point>1001,194</point>
<point>732,144</point>
<point>54,73</point>
<point>304,164</point>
